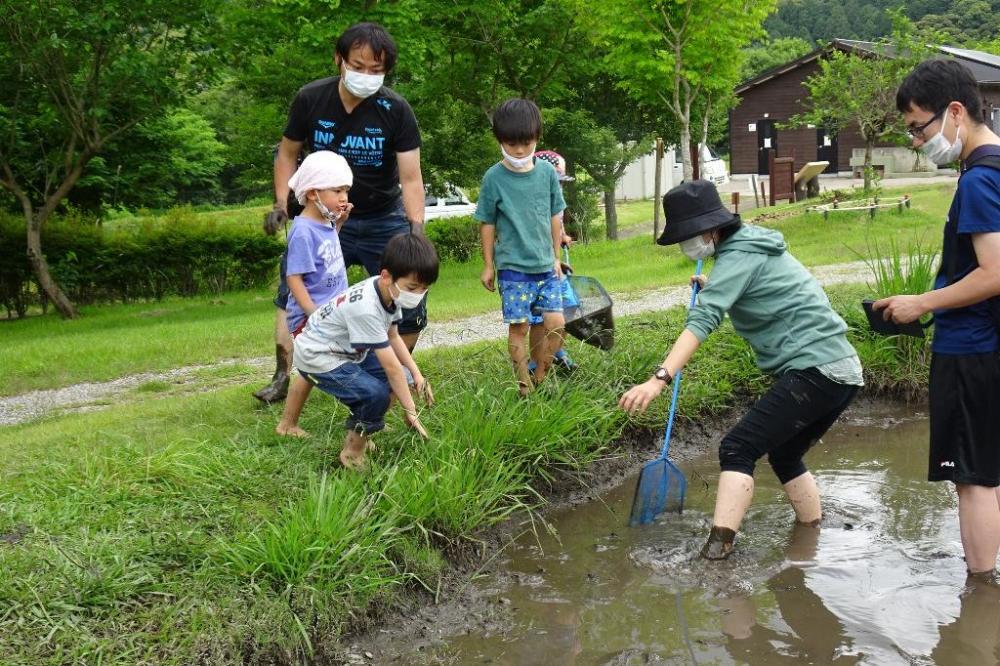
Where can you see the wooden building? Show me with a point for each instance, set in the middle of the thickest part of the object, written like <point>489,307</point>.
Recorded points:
<point>777,94</point>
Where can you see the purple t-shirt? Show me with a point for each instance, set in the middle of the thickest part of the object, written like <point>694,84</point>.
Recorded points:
<point>314,253</point>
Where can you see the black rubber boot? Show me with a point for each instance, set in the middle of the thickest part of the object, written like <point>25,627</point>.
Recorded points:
<point>277,390</point>
<point>720,543</point>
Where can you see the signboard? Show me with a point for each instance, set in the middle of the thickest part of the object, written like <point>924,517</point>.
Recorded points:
<point>782,180</point>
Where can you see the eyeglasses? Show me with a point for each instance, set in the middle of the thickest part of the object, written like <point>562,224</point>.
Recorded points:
<point>918,132</point>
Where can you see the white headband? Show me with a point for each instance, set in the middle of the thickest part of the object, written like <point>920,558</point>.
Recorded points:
<point>321,170</point>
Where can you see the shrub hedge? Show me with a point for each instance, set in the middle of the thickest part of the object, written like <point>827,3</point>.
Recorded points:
<point>179,253</point>
<point>456,238</point>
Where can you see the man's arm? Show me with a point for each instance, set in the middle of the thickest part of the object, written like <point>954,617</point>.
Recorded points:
<point>977,286</point>
<point>284,167</point>
<point>412,182</point>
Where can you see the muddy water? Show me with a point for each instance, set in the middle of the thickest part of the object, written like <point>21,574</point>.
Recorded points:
<point>882,582</point>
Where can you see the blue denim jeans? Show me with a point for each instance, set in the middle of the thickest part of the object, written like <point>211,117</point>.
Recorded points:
<point>363,388</point>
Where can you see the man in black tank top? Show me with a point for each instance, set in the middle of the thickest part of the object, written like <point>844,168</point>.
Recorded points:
<point>374,128</point>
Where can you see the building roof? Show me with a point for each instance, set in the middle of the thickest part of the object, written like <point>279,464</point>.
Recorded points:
<point>984,66</point>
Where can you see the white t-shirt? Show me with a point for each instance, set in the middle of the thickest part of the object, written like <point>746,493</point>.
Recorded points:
<point>345,329</point>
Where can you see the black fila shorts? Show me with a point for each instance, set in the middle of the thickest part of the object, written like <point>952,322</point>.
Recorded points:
<point>965,419</point>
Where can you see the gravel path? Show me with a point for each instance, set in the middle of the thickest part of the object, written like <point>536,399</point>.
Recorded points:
<point>97,395</point>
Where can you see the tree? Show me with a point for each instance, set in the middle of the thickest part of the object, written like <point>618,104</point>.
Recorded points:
<point>771,53</point>
<point>78,76</point>
<point>600,151</point>
<point>169,158</point>
<point>683,54</point>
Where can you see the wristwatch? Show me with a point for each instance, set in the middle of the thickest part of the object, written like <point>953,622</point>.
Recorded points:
<point>663,375</point>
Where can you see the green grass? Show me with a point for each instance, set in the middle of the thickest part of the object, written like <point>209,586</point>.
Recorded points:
<point>179,528</point>
<point>111,341</point>
<point>844,236</point>
<point>176,526</point>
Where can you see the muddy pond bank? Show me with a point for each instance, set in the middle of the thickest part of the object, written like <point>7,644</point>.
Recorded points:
<point>881,582</point>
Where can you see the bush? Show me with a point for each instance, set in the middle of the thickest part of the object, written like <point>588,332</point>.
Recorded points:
<point>583,209</point>
<point>180,253</point>
<point>455,238</point>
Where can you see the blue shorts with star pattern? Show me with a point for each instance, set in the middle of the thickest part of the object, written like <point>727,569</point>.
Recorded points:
<point>525,294</point>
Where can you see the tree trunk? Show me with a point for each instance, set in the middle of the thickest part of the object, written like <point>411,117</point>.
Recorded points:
<point>41,269</point>
<point>869,144</point>
<point>610,214</point>
<point>657,188</point>
<point>686,167</point>
<point>703,140</point>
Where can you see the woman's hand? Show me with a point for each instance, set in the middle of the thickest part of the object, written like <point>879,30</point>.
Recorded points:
<point>637,398</point>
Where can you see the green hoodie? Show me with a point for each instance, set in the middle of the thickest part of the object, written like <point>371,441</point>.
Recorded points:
<point>775,304</point>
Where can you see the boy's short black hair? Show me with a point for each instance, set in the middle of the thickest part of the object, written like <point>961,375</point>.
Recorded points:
<point>372,35</point>
<point>517,120</point>
<point>936,83</point>
<point>410,254</point>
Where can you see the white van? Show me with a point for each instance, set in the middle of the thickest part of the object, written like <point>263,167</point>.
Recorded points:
<point>713,167</point>
<point>453,204</point>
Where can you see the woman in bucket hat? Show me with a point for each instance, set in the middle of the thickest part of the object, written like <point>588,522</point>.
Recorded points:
<point>779,308</point>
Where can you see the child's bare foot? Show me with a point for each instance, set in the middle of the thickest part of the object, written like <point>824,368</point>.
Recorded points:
<point>525,389</point>
<point>290,430</point>
<point>352,456</point>
<point>352,460</point>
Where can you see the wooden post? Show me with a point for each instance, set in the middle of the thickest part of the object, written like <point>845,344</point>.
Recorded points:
<point>736,203</point>
<point>657,188</point>
<point>763,194</point>
<point>753,188</point>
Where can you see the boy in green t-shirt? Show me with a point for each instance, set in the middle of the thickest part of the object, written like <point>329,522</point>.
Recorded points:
<point>519,207</point>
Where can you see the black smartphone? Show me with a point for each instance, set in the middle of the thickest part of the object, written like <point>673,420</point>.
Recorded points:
<point>889,327</point>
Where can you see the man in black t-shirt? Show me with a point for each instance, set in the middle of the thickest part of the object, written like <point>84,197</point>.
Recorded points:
<point>375,129</point>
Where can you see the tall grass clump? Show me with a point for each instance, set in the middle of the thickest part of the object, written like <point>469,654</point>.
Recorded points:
<point>895,364</point>
<point>332,540</point>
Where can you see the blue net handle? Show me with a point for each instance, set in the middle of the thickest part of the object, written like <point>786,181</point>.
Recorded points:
<point>677,379</point>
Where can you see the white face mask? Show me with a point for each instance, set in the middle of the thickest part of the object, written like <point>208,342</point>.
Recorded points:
<point>697,248</point>
<point>362,85</point>
<point>407,299</point>
<point>517,162</point>
<point>939,150</point>
<point>328,214</point>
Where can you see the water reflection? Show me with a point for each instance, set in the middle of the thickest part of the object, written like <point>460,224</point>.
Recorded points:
<point>881,582</point>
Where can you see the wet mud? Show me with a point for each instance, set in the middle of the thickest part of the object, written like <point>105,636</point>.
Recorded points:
<point>880,581</point>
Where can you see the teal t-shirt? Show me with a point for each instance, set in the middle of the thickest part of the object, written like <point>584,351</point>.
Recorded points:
<point>521,205</point>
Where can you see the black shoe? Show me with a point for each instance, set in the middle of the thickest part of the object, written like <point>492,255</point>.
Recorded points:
<point>719,545</point>
<point>274,392</point>
<point>277,390</point>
